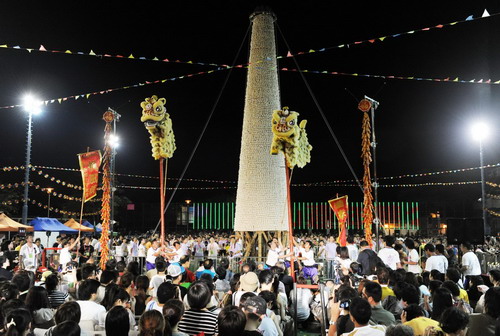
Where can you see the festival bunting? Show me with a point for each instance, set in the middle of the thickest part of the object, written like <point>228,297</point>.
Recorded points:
<point>451,79</point>
<point>341,208</point>
<point>89,166</point>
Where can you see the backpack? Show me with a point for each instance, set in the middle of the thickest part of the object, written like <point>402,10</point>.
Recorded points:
<point>373,260</point>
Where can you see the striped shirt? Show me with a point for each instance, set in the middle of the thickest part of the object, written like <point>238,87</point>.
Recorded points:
<point>57,298</point>
<point>195,322</point>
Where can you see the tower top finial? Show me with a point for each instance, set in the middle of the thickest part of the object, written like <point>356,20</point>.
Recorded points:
<point>262,10</point>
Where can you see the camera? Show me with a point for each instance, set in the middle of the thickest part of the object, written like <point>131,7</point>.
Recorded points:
<point>344,304</point>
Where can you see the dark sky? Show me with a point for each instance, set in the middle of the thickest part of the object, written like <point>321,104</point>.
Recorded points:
<point>421,126</point>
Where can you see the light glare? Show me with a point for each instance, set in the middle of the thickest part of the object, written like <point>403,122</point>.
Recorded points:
<point>32,105</point>
<point>114,141</point>
<point>480,131</point>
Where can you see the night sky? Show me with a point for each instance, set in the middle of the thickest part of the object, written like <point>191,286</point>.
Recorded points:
<point>421,126</point>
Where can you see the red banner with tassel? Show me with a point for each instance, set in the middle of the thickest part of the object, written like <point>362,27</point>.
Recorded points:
<point>340,207</point>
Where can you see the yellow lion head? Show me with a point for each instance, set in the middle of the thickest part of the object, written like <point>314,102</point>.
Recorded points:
<point>153,111</point>
<point>284,122</point>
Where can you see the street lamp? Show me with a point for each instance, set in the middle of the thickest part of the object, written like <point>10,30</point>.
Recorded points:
<point>32,106</point>
<point>49,192</point>
<point>480,132</point>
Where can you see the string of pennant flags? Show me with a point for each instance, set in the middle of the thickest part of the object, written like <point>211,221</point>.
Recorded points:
<point>38,187</point>
<point>494,213</point>
<point>102,55</point>
<point>396,77</point>
<point>101,92</point>
<point>225,67</point>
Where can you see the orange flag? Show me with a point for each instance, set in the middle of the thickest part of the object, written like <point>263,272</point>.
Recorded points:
<point>89,166</point>
<point>341,207</point>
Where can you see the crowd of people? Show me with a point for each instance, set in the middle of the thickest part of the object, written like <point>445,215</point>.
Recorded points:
<point>203,285</point>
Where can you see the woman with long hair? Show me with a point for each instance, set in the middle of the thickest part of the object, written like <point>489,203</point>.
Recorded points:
<point>172,312</point>
<point>117,321</point>
<point>151,323</point>
<point>141,294</point>
<point>39,306</point>
<point>116,296</point>
<point>441,299</point>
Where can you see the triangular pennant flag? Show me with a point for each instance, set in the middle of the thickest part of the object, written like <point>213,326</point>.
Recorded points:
<point>289,54</point>
<point>166,60</point>
<point>371,41</point>
<point>485,14</point>
<point>312,50</point>
<point>76,98</point>
<point>87,95</point>
<point>155,59</point>
<point>190,62</point>
<point>439,26</point>
<point>342,46</point>
<point>472,81</point>
<point>42,48</point>
<point>410,32</point>
<point>480,81</point>
<point>163,80</point>
<point>488,81</point>
<point>68,52</point>
<point>131,56</point>
<point>324,71</point>
<point>278,57</point>
<point>3,46</point>
<point>59,100</point>
<point>453,23</point>
<point>497,82</point>
<point>92,53</point>
<point>382,38</point>
<point>29,50</point>
<point>456,79</point>
<point>469,18</point>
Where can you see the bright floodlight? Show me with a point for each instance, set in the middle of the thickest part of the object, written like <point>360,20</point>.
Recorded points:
<point>32,104</point>
<point>114,141</point>
<point>480,131</point>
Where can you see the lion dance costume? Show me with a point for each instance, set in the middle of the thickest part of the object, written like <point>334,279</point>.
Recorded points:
<point>290,137</point>
<point>159,125</point>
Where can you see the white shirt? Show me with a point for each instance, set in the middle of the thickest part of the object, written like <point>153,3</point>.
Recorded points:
<point>141,250</point>
<point>29,255</point>
<point>64,256</point>
<point>213,248</point>
<point>390,257</point>
<point>414,257</point>
<point>310,257</point>
<point>90,311</point>
<point>304,299</point>
<point>435,262</point>
<point>353,252</point>
<point>470,260</point>
<point>150,257</point>
<point>369,330</point>
<point>272,258</point>
<point>331,250</point>
<point>156,281</point>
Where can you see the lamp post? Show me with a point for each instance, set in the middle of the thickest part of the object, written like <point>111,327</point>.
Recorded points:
<point>114,143</point>
<point>188,202</point>
<point>32,106</point>
<point>49,192</point>
<point>480,132</point>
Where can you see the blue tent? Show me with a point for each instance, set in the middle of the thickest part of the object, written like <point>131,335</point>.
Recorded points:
<point>51,224</point>
<point>87,224</point>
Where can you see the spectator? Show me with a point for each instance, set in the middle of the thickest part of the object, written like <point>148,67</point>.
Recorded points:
<point>166,291</point>
<point>413,257</point>
<point>141,296</point>
<point>470,262</point>
<point>441,299</point>
<point>107,277</point>
<point>17,322</point>
<point>9,306</point>
<point>360,312</point>
<point>494,277</point>
<point>270,299</point>
<point>151,323</point>
<point>221,284</point>
<point>158,278</point>
<point>231,321</point>
<point>56,298</point>
<point>4,264</point>
<point>198,319</point>
<point>185,263</point>
<point>69,311</point>
<point>256,306</point>
<point>38,304</point>
<point>372,292</point>
<point>484,324</point>
<point>455,291</point>
<point>433,261</point>
<point>117,321</point>
<point>115,296</point>
<point>399,330</point>
<point>23,282</point>
<point>340,319</point>
<point>67,328</point>
<point>413,317</point>
<point>90,310</point>
<point>173,310</point>
<point>367,258</point>
<point>388,255</point>
<point>208,265</point>
<point>249,282</point>
<point>304,299</point>
<point>454,322</point>
<point>174,274</point>
<point>383,280</point>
